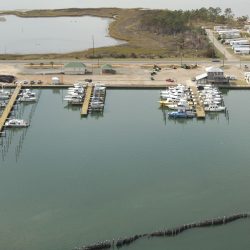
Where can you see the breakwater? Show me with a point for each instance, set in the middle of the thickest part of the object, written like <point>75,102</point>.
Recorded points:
<point>165,233</point>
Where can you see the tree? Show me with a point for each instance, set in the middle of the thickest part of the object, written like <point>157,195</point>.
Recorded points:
<point>228,14</point>
<point>52,64</point>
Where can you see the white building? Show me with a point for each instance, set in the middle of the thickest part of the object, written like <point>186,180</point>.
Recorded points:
<point>242,50</point>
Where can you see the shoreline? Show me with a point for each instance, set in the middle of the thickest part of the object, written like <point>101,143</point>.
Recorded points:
<point>124,27</point>
<point>125,86</point>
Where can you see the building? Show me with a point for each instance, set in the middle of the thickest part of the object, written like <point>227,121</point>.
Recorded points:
<point>213,75</point>
<point>216,76</point>
<point>108,69</point>
<point>75,68</point>
<point>242,50</point>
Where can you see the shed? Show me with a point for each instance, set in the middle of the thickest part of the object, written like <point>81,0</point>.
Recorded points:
<point>55,80</point>
<point>201,79</point>
<point>108,69</point>
<point>75,68</point>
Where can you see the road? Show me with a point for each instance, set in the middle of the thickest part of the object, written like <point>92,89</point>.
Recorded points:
<point>220,47</point>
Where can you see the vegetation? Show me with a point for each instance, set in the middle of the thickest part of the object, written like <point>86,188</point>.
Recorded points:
<point>148,33</point>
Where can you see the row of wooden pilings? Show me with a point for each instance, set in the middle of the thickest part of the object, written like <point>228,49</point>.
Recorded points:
<point>165,233</point>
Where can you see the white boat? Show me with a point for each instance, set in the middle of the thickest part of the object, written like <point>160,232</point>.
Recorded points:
<point>27,98</point>
<point>181,105</point>
<point>214,108</point>
<point>207,102</point>
<point>169,101</point>
<point>4,92</point>
<point>73,98</point>
<point>2,104</point>
<point>27,92</point>
<point>16,123</point>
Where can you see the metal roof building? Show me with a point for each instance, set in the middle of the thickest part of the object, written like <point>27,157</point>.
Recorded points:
<point>75,68</point>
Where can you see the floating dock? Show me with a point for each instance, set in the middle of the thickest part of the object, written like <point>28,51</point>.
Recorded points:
<point>200,112</point>
<point>86,101</point>
<point>9,106</point>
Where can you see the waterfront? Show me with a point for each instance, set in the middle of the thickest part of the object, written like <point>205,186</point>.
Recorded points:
<point>239,7</point>
<point>78,181</point>
<point>53,35</point>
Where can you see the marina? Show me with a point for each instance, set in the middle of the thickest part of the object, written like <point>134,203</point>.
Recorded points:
<point>191,101</point>
<point>96,197</point>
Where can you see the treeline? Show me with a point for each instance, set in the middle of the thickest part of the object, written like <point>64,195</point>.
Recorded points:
<point>173,22</point>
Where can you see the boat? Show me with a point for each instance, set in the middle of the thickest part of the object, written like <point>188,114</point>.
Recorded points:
<point>27,98</point>
<point>27,92</point>
<point>181,114</point>
<point>214,108</point>
<point>181,105</point>
<point>3,104</point>
<point>16,123</point>
<point>4,96</point>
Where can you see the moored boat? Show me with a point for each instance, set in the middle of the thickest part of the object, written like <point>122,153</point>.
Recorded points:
<point>181,114</point>
<point>16,123</point>
<point>214,108</point>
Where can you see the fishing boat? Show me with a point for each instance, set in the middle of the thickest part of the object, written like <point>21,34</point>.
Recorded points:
<point>214,108</point>
<point>181,114</point>
<point>27,98</point>
<point>3,105</point>
<point>16,123</point>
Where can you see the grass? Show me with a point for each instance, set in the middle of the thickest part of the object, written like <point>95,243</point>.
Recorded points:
<point>126,27</point>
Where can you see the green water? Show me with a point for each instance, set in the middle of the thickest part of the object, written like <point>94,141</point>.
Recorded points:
<point>69,181</point>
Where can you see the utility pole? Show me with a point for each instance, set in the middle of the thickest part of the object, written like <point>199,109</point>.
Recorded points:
<point>93,43</point>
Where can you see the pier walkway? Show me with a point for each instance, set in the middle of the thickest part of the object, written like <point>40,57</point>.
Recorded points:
<point>200,112</point>
<point>9,106</point>
<point>86,101</point>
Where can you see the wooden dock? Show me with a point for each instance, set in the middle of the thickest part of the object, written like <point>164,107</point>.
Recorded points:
<point>86,101</point>
<point>200,112</point>
<point>9,106</point>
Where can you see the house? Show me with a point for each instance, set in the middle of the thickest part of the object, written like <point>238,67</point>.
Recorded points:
<point>107,69</point>
<point>216,76</point>
<point>75,68</point>
<point>213,75</point>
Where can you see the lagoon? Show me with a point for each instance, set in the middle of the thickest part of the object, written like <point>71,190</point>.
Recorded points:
<point>69,181</point>
<point>53,35</point>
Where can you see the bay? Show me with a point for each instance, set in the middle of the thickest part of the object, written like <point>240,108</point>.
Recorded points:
<point>53,35</point>
<point>69,181</point>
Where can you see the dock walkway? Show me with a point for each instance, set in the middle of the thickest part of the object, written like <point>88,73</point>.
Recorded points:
<point>86,101</point>
<point>200,112</point>
<point>9,106</point>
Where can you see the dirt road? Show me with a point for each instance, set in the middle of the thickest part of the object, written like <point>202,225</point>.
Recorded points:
<point>220,47</point>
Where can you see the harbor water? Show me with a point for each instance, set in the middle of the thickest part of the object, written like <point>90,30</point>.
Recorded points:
<point>68,181</point>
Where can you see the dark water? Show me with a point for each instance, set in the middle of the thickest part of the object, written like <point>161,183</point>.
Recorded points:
<point>240,7</point>
<point>74,181</point>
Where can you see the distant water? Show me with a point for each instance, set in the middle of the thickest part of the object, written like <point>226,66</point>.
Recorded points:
<point>53,35</point>
<point>69,181</point>
<point>240,7</point>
